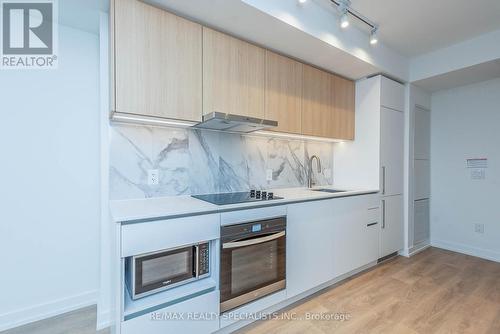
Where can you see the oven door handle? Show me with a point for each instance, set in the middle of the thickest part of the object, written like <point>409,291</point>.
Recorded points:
<point>256,241</point>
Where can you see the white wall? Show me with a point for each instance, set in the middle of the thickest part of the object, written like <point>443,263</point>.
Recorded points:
<point>481,49</point>
<point>49,139</point>
<point>465,124</point>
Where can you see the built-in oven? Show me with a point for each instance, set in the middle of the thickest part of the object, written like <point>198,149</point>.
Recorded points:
<point>253,261</point>
<point>157,271</point>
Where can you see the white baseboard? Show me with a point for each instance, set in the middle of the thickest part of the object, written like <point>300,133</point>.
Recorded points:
<point>47,310</point>
<point>419,248</point>
<point>465,249</point>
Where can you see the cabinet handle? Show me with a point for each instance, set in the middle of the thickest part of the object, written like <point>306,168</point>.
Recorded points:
<point>368,225</point>
<point>383,180</point>
<point>383,213</point>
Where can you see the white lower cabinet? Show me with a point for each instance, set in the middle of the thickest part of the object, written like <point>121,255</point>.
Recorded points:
<point>391,229</point>
<point>328,238</point>
<point>356,233</point>
<point>309,245</point>
<point>195,315</point>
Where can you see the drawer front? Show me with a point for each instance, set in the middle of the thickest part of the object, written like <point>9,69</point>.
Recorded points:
<point>196,315</point>
<point>250,215</point>
<point>152,236</point>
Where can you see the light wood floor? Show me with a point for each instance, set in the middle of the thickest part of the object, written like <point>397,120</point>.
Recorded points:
<point>81,321</point>
<point>435,291</point>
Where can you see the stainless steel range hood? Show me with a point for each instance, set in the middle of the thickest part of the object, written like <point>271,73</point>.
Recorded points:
<point>234,123</point>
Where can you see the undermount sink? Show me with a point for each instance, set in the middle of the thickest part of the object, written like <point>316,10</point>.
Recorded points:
<point>326,190</point>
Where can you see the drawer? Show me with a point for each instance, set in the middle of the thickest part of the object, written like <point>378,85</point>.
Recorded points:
<point>195,315</point>
<point>156,235</point>
<point>251,215</point>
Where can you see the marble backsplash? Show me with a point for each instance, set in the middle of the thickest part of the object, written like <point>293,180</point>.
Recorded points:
<point>196,161</point>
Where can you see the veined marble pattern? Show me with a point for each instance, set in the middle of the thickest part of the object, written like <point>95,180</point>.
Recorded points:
<point>195,162</point>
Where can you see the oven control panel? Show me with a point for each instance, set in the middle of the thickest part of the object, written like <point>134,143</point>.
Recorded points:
<point>203,259</point>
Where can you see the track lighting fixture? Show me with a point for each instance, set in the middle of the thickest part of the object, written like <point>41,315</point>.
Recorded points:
<point>344,12</point>
<point>374,36</point>
<point>344,20</point>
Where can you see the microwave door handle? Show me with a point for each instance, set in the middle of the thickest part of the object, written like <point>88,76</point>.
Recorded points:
<point>236,244</point>
<point>196,259</point>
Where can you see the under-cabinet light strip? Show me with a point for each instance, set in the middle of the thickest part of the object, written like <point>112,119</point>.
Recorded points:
<point>148,120</point>
<point>119,117</point>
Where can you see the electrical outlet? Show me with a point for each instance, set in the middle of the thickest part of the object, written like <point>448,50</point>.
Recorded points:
<point>479,228</point>
<point>153,177</point>
<point>269,174</point>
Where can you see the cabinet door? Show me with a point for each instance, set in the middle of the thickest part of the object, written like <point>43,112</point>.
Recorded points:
<point>421,222</point>
<point>284,92</point>
<point>391,229</point>
<point>356,237</point>
<point>422,134</point>
<point>392,94</point>
<point>233,75</point>
<point>309,239</point>
<point>317,103</point>
<point>158,62</point>
<point>205,305</point>
<point>422,188</point>
<point>391,151</point>
<point>343,100</point>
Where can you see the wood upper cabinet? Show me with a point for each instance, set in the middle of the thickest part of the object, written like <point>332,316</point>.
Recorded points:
<point>317,103</point>
<point>157,62</point>
<point>327,105</point>
<point>233,75</point>
<point>166,66</point>
<point>343,102</point>
<point>283,100</point>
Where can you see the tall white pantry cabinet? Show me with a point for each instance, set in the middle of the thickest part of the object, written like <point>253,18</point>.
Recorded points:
<point>392,101</point>
<point>375,159</point>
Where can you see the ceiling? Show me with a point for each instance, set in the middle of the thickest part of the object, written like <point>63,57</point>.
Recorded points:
<point>413,27</point>
<point>466,76</point>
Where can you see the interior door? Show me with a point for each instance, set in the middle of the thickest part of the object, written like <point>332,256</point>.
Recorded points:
<point>391,229</point>
<point>391,151</point>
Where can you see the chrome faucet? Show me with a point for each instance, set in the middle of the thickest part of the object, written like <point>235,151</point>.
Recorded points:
<point>310,182</point>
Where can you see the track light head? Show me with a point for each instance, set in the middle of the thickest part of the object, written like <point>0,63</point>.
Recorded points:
<point>343,6</point>
<point>374,36</point>
<point>344,20</point>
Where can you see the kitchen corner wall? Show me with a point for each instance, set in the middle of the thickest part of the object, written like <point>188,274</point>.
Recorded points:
<point>196,161</point>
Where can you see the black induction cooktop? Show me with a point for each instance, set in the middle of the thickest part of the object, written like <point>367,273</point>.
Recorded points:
<point>238,197</point>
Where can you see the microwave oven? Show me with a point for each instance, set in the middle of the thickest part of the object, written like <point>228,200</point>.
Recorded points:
<point>150,273</point>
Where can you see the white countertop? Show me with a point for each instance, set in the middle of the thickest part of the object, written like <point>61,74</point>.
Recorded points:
<point>175,206</point>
